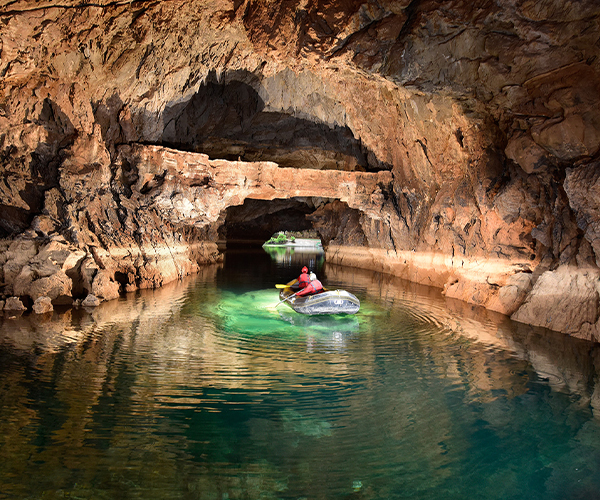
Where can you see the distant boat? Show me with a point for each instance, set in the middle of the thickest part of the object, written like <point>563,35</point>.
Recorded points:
<point>325,302</point>
<point>297,243</point>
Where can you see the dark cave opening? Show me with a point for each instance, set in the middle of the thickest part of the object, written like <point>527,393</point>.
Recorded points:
<point>254,222</point>
<point>330,220</point>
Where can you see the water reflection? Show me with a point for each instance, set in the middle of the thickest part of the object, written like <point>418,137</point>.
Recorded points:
<point>567,364</point>
<point>198,390</point>
<point>297,257</point>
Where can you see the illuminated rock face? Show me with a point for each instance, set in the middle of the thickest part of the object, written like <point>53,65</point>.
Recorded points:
<point>453,145</point>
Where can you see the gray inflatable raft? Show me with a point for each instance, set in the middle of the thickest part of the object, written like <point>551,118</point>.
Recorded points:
<point>326,302</point>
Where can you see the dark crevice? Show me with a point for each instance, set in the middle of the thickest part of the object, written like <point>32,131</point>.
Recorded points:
<point>411,17</point>
<point>424,147</point>
<point>157,181</point>
<point>460,137</point>
<point>80,6</point>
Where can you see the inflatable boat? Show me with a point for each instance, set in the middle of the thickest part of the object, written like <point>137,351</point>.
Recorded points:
<point>325,302</point>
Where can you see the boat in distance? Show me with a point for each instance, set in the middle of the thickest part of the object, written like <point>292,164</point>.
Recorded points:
<point>325,302</point>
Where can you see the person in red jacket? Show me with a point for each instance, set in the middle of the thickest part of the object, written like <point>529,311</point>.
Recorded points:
<point>313,287</point>
<point>304,278</point>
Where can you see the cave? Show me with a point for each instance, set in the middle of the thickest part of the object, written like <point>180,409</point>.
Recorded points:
<point>453,145</point>
<point>447,156</point>
<point>254,222</point>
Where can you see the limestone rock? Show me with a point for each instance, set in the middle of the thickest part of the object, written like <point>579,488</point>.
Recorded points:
<point>565,300</point>
<point>57,286</point>
<point>530,157</point>
<point>582,185</point>
<point>44,225</point>
<point>391,123</point>
<point>88,270</point>
<point>19,253</point>
<point>104,287</point>
<point>90,301</point>
<point>572,137</point>
<point>14,304</point>
<point>512,294</point>
<point>42,305</point>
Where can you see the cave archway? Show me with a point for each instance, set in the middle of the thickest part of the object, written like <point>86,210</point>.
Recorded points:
<point>255,221</point>
<point>228,119</point>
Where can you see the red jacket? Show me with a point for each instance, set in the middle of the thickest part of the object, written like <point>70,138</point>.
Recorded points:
<point>303,280</point>
<point>313,287</point>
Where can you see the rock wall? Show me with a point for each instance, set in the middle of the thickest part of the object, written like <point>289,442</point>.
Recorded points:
<point>484,119</point>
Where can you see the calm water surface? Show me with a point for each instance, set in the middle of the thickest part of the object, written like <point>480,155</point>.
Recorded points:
<point>206,389</point>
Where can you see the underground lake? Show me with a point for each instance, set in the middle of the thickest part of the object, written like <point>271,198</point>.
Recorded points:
<point>208,389</point>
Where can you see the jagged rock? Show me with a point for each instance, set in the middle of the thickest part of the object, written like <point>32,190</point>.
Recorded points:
<point>57,286</point>
<point>19,253</point>
<point>104,287</point>
<point>44,225</point>
<point>42,305</point>
<point>582,185</point>
<point>91,301</point>
<point>530,157</point>
<point>88,270</point>
<point>14,304</point>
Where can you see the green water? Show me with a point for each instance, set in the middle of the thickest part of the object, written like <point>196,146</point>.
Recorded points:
<point>207,389</point>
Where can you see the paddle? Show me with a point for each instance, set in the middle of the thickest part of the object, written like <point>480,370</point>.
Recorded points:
<point>287,298</point>
<point>281,286</point>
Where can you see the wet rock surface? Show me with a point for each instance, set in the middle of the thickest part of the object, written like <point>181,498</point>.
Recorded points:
<point>482,121</point>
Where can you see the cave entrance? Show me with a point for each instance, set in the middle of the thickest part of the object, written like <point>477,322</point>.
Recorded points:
<point>254,222</point>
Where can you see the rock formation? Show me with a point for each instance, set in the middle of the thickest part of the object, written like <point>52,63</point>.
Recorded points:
<point>453,144</point>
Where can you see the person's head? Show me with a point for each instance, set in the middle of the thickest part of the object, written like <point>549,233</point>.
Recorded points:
<point>305,269</point>
<point>313,276</point>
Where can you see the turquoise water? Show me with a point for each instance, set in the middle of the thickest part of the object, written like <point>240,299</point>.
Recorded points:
<point>207,389</point>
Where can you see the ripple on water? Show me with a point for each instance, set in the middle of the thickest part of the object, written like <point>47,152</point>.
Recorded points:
<point>213,393</point>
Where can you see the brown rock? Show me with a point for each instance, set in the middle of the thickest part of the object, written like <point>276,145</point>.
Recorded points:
<point>19,253</point>
<point>104,287</point>
<point>582,185</point>
<point>42,305</point>
<point>565,300</point>
<point>14,304</point>
<point>527,154</point>
<point>571,138</point>
<point>91,301</point>
<point>88,270</point>
<point>390,118</point>
<point>57,286</point>
<point>44,224</point>
<point>512,295</point>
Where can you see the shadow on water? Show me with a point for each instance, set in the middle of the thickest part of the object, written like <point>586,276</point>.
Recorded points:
<point>206,389</point>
